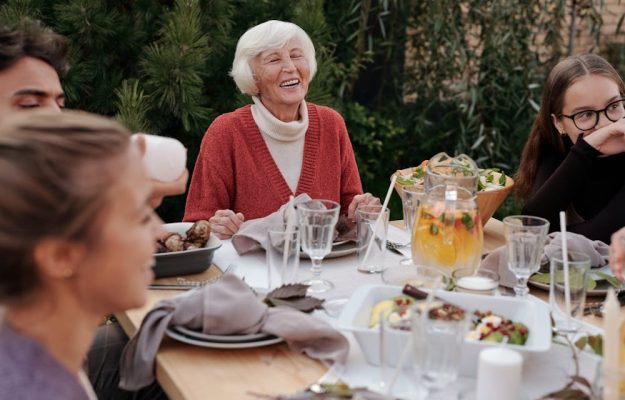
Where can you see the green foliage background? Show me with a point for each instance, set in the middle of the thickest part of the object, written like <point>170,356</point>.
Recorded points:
<point>411,78</point>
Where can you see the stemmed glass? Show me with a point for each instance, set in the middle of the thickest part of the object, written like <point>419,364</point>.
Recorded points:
<point>525,239</point>
<point>317,220</point>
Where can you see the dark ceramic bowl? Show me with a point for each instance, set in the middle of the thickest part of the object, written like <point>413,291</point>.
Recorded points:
<point>186,262</point>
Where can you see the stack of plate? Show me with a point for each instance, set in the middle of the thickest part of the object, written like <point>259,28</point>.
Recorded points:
<point>196,338</point>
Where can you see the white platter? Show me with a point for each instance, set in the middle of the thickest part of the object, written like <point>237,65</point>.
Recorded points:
<point>172,333</point>
<point>535,315</point>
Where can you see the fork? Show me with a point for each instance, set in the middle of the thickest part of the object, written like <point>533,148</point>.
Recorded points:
<point>186,284</point>
<point>397,245</point>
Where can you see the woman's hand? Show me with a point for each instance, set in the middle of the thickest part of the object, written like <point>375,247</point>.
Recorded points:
<point>365,199</point>
<point>226,223</point>
<point>617,253</point>
<point>163,189</point>
<point>608,140</point>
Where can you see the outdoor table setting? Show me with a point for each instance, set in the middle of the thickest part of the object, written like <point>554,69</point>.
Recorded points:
<point>188,372</point>
<point>365,273</point>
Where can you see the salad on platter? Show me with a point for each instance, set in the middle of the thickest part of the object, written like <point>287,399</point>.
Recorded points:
<point>485,325</point>
<point>489,178</point>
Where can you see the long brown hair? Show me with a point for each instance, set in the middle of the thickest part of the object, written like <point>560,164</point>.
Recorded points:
<point>544,136</point>
<point>55,175</point>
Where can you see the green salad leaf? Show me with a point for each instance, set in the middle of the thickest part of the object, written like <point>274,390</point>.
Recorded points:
<point>609,278</point>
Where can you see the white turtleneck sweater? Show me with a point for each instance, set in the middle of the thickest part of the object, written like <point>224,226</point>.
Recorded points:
<point>285,140</point>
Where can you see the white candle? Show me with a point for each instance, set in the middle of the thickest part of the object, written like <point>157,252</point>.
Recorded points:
<point>498,374</point>
<point>476,283</point>
<point>611,348</point>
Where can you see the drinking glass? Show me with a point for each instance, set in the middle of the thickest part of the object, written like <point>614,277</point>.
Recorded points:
<point>282,250</point>
<point>482,281</point>
<point>579,267</point>
<point>371,255</point>
<point>410,204</point>
<point>525,239</point>
<point>437,348</point>
<point>317,220</point>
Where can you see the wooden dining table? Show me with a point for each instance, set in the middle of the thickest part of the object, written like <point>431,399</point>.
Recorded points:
<point>190,372</point>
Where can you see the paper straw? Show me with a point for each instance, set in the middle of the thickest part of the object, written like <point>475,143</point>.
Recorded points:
<point>290,222</point>
<point>565,260</point>
<point>377,221</point>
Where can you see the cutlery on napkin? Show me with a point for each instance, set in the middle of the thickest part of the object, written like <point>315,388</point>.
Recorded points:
<point>228,306</point>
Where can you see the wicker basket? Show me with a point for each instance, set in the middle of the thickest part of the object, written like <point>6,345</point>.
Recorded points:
<point>487,201</point>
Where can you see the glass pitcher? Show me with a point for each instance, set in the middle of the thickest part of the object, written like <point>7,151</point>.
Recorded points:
<point>447,232</point>
<point>460,171</point>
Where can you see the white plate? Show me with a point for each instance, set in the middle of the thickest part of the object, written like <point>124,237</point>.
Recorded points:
<point>253,337</point>
<point>339,249</point>
<point>220,345</point>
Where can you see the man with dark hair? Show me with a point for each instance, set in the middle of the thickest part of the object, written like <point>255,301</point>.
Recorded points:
<point>32,58</point>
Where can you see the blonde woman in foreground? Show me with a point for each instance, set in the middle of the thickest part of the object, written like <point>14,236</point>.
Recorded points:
<point>77,240</point>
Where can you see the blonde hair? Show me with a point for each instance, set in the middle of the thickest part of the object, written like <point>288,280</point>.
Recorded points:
<point>55,175</point>
<point>268,35</point>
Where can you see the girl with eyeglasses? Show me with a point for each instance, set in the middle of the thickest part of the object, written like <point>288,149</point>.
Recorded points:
<point>574,157</point>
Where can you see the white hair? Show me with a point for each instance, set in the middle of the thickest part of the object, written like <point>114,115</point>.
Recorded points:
<point>268,35</point>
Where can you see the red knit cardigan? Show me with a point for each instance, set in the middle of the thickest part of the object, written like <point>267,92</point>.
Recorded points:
<point>235,170</point>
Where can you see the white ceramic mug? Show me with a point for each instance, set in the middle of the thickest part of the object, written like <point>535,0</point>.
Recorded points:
<point>165,158</point>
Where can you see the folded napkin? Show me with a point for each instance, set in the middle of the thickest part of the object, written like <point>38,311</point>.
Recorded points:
<point>497,260</point>
<point>253,233</point>
<point>228,306</point>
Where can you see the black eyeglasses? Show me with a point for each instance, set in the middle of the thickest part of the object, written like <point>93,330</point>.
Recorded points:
<point>588,119</point>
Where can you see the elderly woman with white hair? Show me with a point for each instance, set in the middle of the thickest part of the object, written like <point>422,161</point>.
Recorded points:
<point>252,159</point>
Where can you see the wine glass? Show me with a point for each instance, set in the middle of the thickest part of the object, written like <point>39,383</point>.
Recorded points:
<point>525,239</point>
<point>317,220</point>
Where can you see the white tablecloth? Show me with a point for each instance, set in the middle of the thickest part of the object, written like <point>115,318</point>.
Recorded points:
<point>542,373</point>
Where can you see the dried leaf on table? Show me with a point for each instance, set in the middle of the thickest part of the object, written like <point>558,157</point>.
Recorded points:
<point>288,291</point>
<point>294,296</point>
<point>305,304</point>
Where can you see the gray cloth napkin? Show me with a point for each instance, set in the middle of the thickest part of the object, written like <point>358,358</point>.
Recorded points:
<point>253,233</point>
<point>228,306</point>
<point>497,260</point>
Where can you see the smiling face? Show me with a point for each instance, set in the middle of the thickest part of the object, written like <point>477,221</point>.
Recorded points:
<point>590,92</point>
<point>282,76</point>
<point>116,269</point>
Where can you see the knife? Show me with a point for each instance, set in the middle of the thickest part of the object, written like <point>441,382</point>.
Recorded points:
<point>172,286</point>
